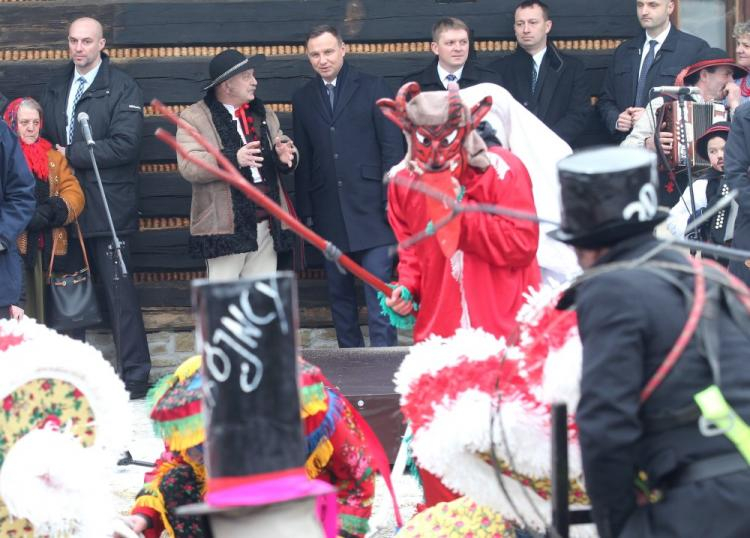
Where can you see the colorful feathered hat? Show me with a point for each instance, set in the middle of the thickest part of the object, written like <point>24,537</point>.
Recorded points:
<point>176,407</point>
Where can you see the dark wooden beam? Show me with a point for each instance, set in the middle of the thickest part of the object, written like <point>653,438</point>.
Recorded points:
<point>180,80</point>
<point>40,25</point>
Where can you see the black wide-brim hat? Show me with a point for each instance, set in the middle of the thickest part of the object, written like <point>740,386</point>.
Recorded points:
<point>608,194</point>
<point>720,128</point>
<point>229,63</point>
<point>713,57</point>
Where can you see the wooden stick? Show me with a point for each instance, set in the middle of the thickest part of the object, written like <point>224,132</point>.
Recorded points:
<point>227,172</point>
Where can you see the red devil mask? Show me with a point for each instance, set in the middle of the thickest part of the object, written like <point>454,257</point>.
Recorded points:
<point>438,130</point>
<point>437,137</point>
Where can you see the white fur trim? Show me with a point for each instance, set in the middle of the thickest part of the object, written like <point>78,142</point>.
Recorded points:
<point>74,499</point>
<point>448,448</point>
<point>49,478</point>
<point>562,373</point>
<point>436,353</point>
<point>45,353</point>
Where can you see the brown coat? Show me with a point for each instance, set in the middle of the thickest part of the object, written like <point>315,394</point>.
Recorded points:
<point>62,183</point>
<point>211,210</point>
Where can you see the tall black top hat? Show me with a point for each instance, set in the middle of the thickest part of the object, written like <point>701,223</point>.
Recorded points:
<point>229,63</point>
<point>608,194</point>
<point>255,449</point>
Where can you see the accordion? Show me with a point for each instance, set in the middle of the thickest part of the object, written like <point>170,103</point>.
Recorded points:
<point>721,231</point>
<point>698,118</point>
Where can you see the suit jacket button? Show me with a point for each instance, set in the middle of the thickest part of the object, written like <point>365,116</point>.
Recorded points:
<point>335,155</point>
<point>340,183</point>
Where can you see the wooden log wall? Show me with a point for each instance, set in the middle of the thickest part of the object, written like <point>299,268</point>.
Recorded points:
<point>166,47</point>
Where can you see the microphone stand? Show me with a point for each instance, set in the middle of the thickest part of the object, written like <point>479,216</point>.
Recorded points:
<point>120,270</point>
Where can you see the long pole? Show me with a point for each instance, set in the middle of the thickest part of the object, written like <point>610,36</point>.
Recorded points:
<point>228,173</point>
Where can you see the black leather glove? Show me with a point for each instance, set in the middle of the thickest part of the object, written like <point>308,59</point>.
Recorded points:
<point>41,218</point>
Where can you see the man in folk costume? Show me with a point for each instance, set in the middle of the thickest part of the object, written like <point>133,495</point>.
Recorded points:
<point>472,396</point>
<point>473,271</point>
<point>539,149</point>
<point>665,385</point>
<point>236,237</point>
<point>64,421</point>
<point>335,447</point>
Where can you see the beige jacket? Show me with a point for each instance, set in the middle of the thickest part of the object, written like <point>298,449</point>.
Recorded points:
<point>211,210</point>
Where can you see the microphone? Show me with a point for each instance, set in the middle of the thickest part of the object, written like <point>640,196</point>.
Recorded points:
<point>678,90</point>
<point>83,119</point>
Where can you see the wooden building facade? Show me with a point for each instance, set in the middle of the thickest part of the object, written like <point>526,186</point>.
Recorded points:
<point>166,47</point>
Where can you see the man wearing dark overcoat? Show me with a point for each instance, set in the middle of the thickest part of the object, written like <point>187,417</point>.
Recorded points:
<point>346,145</point>
<point>550,83</point>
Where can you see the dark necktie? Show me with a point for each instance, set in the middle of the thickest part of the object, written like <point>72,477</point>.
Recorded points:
<point>642,90</point>
<point>77,97</point>
<point>331,89</point>
<point>534,77</point>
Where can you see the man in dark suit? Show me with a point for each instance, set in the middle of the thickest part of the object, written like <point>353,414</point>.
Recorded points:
<point>653,58</point>
<point>346,145</point>
<point>450,44</point>
<point>552,85</point>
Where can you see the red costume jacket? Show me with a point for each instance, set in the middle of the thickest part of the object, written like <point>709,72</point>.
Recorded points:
<point>499,253</point>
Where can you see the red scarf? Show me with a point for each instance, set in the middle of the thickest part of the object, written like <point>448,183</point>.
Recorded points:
<point>36,153</point>
<point>36,157</point>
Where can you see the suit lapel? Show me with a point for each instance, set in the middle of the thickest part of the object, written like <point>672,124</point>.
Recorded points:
<point>344,92</point>
<point>547,83</point>
<point>321,99</point>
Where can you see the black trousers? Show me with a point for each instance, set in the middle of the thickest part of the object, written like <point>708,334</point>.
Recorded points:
<point>126,321</point>
<point>343,299</point>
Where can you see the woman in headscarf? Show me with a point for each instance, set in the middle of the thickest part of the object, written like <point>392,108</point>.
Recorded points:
<point>742,52</point>
<point>59,200</point>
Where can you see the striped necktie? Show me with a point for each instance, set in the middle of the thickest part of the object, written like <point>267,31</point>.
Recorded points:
<point>72,120</point>
<point>648,61</point>
<point>534,77</point>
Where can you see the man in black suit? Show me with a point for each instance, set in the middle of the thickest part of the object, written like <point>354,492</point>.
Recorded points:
<point>346,145</point>
<point>653,58</point>
<point>450,44</point>
<point>552,85</point>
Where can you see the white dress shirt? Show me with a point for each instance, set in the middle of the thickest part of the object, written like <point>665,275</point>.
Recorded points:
<point>238,125</point>
<point>442,74</point>
<point>660,39</point>
<point>89,77</point>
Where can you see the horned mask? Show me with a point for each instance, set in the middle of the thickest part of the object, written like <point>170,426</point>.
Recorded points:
<point>439,128</point>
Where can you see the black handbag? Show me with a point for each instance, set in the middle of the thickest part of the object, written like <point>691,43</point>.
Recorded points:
<point>71,300</point>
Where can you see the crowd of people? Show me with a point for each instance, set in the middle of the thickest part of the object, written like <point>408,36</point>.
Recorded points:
<point>441,149</point>
<point>343,145</point>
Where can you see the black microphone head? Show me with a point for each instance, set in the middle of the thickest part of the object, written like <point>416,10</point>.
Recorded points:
<point>82,116</point>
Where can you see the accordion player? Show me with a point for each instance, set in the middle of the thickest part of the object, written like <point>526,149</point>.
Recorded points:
<point>699,117</point>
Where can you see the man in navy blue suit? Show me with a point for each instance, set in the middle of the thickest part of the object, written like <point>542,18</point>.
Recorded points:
<point>346,145</point>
